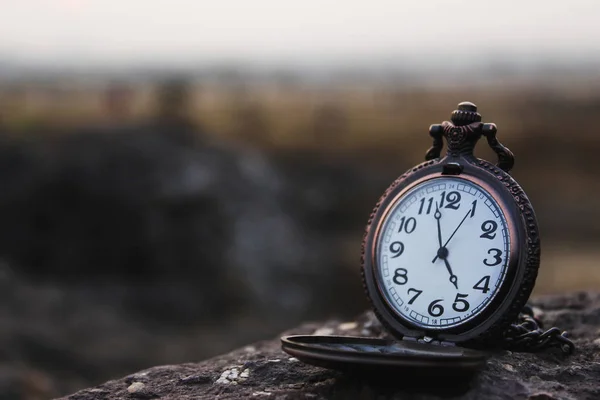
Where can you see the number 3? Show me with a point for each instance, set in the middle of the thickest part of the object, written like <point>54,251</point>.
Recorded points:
<point>497,257</point>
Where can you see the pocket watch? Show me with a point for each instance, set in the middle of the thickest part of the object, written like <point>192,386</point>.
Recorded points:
<point>452,249</point>
<point>450,257</point>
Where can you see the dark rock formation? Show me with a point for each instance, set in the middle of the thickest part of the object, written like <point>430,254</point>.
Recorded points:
<point>126,246</point>
<point>262,370</point>
<point>162,203</point>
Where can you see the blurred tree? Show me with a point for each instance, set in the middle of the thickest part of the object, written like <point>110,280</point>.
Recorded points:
<point>328,125</point>
<point>173,101</point>
<point>118,101</point>
<point>251,124</point>
<point>250,121</point>
<point>172,111</point>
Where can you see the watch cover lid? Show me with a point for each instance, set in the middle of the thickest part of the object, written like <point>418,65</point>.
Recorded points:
<point>384,357</point>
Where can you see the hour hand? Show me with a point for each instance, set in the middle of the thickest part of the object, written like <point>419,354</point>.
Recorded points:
<point>453,278</point>
<point>454,281</point>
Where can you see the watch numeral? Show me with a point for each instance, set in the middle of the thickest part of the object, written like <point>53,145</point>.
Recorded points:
<point>453,198</point>
<point>483,284</point>
<point>418,293</point>
<point>407,225</point>
<point>497,257</point>
<point>428,206</point>
<point>435,309</point>
<point>489,229</point>
<point>400,276</point>
<point>474,208</point>
<point>397,248</point>
<point>460,304</point>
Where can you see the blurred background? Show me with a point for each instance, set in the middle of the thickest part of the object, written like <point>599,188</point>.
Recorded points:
<point>180,178</point>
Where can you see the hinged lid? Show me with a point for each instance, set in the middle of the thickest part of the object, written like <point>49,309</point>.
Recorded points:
<point>369,356</point>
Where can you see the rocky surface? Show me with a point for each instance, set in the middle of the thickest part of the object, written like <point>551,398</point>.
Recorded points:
<point>263,371</point>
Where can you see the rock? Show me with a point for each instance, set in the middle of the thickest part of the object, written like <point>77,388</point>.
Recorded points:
<point>128,246</point>
<point>135,387</point>
<point>346,326</point>
<point>162,203</point>
<point>264,371</point>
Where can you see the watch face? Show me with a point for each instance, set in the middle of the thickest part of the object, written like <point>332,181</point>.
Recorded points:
<point>442,253</point>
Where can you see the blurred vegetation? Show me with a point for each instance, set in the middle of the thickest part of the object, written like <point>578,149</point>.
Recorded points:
<point>367,121</point>
<point>379,127</point>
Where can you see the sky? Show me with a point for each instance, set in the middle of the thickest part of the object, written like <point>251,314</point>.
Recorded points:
<point>114,32</point>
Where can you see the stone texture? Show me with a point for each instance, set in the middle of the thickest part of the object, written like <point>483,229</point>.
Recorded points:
<point>263,371</point>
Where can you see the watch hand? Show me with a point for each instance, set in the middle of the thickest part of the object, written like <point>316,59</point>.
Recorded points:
<point>456,230</point>
<point>453,278</point>
<point>438,216</point>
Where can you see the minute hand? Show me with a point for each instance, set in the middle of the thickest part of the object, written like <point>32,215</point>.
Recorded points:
<point>456,230</point>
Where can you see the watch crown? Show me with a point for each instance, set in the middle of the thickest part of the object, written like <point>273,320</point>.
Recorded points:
<point>465,114</point>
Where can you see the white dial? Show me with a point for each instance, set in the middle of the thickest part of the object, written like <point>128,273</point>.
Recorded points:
<point>442,252</point>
